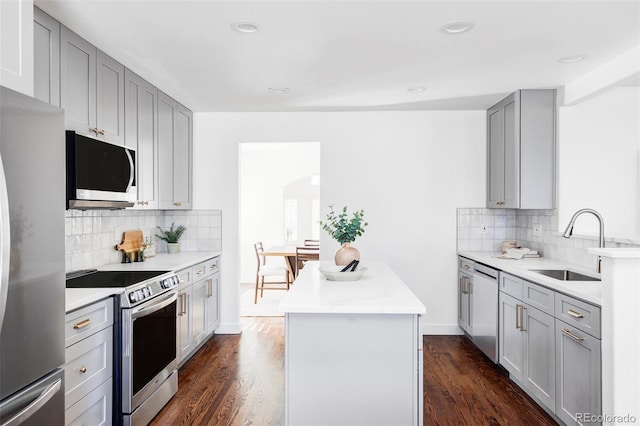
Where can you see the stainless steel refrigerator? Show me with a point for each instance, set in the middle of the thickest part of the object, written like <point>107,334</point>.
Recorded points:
<point>32,286</point>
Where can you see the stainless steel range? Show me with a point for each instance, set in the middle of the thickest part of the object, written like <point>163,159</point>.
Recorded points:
<point>146,341</point>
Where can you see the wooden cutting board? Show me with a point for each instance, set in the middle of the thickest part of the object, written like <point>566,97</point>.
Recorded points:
<point>131,241</point>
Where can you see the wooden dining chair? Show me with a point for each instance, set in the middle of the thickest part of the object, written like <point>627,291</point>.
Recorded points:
<point>305,254</point>
<point>265,271</point>
<point>312,243</point>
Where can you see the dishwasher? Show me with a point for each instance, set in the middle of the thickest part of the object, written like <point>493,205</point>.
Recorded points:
<point>484,322</point>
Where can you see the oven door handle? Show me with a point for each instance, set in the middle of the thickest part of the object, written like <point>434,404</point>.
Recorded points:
<point>159,304</point>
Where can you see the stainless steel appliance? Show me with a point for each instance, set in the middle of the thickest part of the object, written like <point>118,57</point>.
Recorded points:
<point>484,328</point>
<point>32,298</point>
<point>146,356</point>
<point>99,174</point>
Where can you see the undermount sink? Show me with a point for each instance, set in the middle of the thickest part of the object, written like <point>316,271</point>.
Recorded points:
<point>564,275</point>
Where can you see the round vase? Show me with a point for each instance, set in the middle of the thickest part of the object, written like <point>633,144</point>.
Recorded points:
<point>173,247</point>
<point>346,254</point>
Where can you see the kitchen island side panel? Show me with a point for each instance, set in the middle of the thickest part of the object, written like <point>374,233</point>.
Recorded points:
<point>352,369</point>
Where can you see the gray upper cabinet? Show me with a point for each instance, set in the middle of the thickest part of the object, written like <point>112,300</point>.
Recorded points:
<point>46,58</point>
<point>110,98</point>
<point>521,145</point>
<point>175,132</point>
<point>78,82</point>
<point>141,134</point>
<point>91,89</point>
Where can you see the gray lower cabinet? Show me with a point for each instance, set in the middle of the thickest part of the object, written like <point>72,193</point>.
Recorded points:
<point>550,345</point>
<point>141,134</point>
<point>578,360</point>
<point>91,89</point>
<point>46,58</point>
<point>175,136</point>
<point>198,306</point>
<point>527,347</point>
<point>88,369</point>
<point>521,141</point>
<point>465,294</point>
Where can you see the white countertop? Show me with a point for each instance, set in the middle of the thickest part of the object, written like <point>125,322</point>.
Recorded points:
<point>589,291</point>
<point>78,297</point>
<point>378,291</point>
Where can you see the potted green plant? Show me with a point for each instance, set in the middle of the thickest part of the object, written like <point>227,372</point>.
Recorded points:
<point>171,236</point>
<point>345,230</point>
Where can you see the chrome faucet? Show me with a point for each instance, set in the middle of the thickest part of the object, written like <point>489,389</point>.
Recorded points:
<point>569,231</point>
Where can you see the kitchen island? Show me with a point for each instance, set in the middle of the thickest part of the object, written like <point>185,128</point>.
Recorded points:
<point>353,352</point>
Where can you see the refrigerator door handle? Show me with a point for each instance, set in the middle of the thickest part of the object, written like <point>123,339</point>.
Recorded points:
<point>5,242</point>
<point>36,405</point>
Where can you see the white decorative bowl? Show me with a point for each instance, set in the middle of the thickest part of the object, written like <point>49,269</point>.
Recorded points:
<point>332,273</point>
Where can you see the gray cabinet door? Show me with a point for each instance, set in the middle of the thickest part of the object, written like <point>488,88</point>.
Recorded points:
<point>464,301</point>
<point>175,133</point>
<point>495,157</point>
<point>578,369</point>
<point>78,82</point>
<point>182,144</point>
<point>166,111</point>
<point>511,131</point>
<point>539,375</point>
<point>141,133</point>
<point>511,341</point>
<point>213,302</point>
<point>185,342</point>
<point>46,58</point>
<point>110,99</point>
<point>198,312</point>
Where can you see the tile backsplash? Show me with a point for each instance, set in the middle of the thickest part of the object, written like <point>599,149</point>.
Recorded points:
<point>91,236</point>
<point>481,229</point>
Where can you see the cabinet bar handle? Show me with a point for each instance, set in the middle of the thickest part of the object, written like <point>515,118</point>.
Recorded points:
<point>573,336</point>
<point>575,314</point>
<point>518,317</point>
<point>102,132</point>
<point>177,203</point>
<point>94,130</point>
<point>83,370</point>
<point>210,287</point>
<point>82,324</point>
<point>522,319</point>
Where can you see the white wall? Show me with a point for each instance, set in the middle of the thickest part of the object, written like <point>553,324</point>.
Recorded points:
<point>409,171</point>
<point>266,169</point>
<point>599,157</point>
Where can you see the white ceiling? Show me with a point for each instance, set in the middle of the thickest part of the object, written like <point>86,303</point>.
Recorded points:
<point>352,55</point>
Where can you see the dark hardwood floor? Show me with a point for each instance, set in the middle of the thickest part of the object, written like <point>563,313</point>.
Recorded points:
<point>239,380</point>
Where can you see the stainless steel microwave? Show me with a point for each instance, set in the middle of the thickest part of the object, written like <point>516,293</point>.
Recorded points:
<point>99,174</point>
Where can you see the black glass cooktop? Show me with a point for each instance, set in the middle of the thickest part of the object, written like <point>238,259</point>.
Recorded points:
<point>106,279</point>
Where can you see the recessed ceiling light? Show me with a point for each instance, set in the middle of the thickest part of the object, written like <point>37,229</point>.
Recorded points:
<point>245,27</point>
<point>571,59</point>
<point>457,27</point>
<point>279,90</point>
<point>417,89</point>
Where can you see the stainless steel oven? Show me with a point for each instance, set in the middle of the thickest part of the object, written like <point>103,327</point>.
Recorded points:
<point>149,362</point>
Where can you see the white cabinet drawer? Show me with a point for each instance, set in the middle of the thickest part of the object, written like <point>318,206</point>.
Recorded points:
<point>199,271</point>
<point>95,409</point>
<point>539,297</point>
<point>185,276</point>
<point>465,265</point>
<point>85,321</point>
<point>579,314</point>
<point>212,265</point>
<point>88,364</point>
<point>511,285</point>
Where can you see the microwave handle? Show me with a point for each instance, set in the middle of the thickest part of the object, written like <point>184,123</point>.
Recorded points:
<point>131,168</point>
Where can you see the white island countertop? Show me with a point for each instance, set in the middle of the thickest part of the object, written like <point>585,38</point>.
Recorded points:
<point>378,291</point>
<point>589,291</point>
<point>79,297</point>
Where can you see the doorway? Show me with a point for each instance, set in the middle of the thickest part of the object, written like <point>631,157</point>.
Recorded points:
<point>279,199</point>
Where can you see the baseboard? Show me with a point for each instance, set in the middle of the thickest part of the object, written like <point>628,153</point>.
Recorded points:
<point>233,328</point>
<point>441,329</point>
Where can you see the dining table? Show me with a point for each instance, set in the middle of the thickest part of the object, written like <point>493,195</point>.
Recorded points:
<point>289,254</point>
